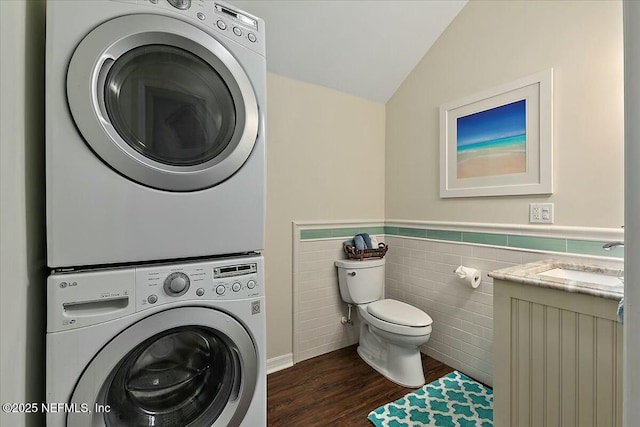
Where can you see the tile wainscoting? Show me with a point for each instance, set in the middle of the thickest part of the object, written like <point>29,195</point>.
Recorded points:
<point>419,271</point>
<point>317,306</point>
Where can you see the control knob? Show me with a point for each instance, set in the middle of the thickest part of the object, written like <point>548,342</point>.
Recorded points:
<point>176,284</point>
<point>180,4</point>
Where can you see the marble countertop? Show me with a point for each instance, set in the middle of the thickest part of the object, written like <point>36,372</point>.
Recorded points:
<point>529,274</point>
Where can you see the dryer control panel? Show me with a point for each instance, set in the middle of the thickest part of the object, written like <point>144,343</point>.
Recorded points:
<point>223,18</point>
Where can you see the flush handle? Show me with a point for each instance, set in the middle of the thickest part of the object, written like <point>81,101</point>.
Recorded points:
<point>353,273</point>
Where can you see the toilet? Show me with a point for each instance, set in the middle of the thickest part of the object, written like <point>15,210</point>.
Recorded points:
<point>391,332</point>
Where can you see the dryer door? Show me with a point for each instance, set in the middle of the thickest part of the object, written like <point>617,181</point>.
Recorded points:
<point>190,366</point>
<point>162,102</point>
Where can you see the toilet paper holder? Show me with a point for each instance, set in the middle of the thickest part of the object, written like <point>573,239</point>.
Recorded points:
<point>462,268</point>
<point>468,275</point>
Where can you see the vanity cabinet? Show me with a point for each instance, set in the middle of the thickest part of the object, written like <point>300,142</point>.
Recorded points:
<point>557,358</point>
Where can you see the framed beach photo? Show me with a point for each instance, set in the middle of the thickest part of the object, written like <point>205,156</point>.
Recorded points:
<point>499,142</point>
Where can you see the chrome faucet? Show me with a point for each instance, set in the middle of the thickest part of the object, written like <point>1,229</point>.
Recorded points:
<point>610,245</point>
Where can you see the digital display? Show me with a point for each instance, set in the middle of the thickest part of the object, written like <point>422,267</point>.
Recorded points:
<point>234,270</point>
<point>237,16</point>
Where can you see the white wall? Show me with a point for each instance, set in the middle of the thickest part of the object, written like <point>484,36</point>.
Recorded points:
<point>325,160</point>
<point>491,43</point>
<point>22,247</point>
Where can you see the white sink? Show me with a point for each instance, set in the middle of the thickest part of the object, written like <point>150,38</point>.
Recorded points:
<point>584,276</point>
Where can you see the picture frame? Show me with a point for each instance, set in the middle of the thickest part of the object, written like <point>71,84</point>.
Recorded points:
<point>499,142</point>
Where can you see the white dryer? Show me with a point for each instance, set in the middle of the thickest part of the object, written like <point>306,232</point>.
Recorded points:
<point>155,131</point>
<point>157,345</point>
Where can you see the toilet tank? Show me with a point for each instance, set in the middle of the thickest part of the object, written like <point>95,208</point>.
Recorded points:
<point>361,281</point>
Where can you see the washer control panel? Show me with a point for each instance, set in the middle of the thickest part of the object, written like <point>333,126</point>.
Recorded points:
<point>235,278</point>
<point>82,298</point>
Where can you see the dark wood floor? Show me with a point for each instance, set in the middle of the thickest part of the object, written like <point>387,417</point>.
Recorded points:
<point>335,389</point>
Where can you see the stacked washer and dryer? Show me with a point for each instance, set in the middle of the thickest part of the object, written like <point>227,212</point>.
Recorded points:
<point>155,174</point>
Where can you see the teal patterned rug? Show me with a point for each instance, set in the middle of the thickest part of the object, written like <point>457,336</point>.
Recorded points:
<point>454,400</point>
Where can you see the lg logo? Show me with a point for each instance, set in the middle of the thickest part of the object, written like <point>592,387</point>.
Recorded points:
<point>65,284</point>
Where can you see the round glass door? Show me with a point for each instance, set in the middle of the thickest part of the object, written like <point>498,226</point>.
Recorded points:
<point>174,378</point>
<point>162,102</point>
<point>169,105</point>
<point>186,367</point>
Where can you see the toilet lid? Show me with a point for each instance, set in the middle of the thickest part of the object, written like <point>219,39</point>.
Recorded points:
<point>397,312</point>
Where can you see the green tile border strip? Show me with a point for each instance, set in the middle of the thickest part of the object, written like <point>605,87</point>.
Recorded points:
<point>515,241</point>
<point>328,233</point>
<point>538,243</point>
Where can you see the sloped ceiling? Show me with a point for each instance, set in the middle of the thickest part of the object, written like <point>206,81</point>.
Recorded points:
<point>363,47</point>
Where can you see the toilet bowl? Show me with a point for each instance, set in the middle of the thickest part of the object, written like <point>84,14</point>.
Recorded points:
<point>391,331</point>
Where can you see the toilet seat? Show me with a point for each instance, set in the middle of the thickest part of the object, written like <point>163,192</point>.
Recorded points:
<point>391,327</point>
<point>398,312</point>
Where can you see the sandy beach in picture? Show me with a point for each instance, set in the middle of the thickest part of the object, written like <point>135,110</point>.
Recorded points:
<point>492,142</point>
<point>501,157</point>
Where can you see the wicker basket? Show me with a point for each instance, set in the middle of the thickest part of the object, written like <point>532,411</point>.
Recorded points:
<point>362,254</point>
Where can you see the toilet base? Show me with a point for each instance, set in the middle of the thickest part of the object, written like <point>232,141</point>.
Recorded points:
<point>398,363</point>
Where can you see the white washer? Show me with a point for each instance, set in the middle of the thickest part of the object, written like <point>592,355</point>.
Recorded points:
<point>168,345</point>
<point>155,131</point>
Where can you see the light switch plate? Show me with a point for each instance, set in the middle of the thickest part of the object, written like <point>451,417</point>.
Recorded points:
<point>541,213</point>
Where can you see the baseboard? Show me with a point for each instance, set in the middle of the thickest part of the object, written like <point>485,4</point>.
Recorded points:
<point>279,363</point>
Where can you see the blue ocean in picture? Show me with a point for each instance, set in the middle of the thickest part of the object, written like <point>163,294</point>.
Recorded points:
<point>492,142</point>
<point>517,142</point>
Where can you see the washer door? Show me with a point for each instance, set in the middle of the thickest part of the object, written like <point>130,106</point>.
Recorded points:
<point>190,366</point>
<point>162,102</point>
